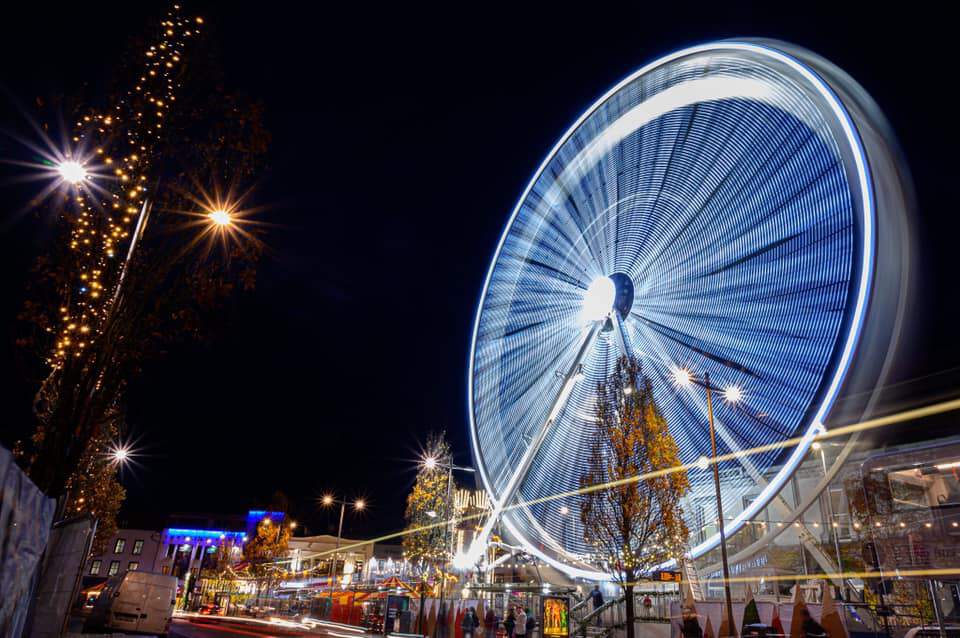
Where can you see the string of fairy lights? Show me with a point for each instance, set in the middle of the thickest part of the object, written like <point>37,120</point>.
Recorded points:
<point>112,185</point>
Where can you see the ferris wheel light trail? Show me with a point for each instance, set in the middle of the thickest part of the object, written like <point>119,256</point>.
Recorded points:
<point>714,209</point>
<point>573,375</point>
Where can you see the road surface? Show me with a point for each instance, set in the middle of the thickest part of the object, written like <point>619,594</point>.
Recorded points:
<point>183,628</point>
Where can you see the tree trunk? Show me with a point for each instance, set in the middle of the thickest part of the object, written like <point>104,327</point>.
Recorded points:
<point>628,602</point>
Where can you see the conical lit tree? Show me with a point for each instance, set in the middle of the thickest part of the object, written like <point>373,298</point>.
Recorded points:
<point>430,507</point>
<point>631,510</point>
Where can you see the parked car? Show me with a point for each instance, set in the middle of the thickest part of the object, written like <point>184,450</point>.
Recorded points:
<point>135,601</point>
<point>210,609</point>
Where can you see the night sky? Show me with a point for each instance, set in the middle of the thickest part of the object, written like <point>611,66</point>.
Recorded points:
<point>402,137</point>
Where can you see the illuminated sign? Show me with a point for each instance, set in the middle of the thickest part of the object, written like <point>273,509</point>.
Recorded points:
<point>556,616</point>
<point>661,576</point>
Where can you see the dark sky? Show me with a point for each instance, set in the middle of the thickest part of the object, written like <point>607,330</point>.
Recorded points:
<point>402,137</point>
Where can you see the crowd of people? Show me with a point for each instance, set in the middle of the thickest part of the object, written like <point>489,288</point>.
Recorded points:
<point>518,623</point>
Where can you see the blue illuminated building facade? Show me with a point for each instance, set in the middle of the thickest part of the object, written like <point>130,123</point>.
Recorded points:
<point>191,538</point>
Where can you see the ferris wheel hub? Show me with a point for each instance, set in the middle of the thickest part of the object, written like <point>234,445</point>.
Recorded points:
<point>599,299</point>
<point>607,294</point>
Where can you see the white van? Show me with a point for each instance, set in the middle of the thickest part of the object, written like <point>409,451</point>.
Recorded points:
<point>135,601</point>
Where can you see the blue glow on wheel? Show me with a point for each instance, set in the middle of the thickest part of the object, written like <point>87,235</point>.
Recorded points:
<point>728,183</point>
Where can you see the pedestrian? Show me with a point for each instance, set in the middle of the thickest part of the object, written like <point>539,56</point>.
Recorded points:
<point>490,624</point>
<point>510,623</point>
<point>469,623</point>
<point>596,598</point>
<point>531,622</point>
<point>811,628</point>
<point>521,629</point>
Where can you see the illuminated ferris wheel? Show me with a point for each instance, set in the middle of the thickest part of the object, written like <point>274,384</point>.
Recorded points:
<point>716,212</point>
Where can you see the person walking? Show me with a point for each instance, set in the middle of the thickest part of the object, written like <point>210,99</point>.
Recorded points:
<point>596,598</point>
<point>509,623</point>
<point>469,623</point>
<point>520,631</point>
<point>531,622</point>
<point>490,624</point>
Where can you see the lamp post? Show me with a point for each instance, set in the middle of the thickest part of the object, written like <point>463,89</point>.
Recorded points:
<point>732,395</point>
<point>431,463</point>
<point>818,446</point>
<point>327,501</point>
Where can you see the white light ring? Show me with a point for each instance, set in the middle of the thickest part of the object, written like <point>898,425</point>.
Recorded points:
<point>856,324</point>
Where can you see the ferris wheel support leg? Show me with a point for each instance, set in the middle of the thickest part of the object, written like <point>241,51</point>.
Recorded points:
<point>501,503</point>
<point>617,322</point>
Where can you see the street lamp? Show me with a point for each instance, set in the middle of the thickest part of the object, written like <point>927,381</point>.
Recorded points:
<point>327,501</point>
<point>731,394</point>
<point>818,447</point>
<point>220,217</point>
<point>433,463</point>
<point>72,171</point>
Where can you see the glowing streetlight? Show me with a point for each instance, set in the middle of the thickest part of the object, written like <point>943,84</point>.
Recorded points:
<point>72,171</point>
<point>681,377</point>
<point>220,217</point>
<point>732,394</point>
<point>358,505</point>
<point>120,454</point>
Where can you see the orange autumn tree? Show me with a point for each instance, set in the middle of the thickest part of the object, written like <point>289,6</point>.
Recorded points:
<point>631,510</point>
<point>264,554</point>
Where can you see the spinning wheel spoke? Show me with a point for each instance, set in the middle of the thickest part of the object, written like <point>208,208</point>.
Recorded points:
<point>712,211</point>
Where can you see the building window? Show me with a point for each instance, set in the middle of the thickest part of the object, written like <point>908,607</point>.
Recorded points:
<point>137,547</point>
<point>171,548</point>
<point>133,566</point>
<point>165,570</point>
<point>114,568</point>
<point>95,567</point>
<point>118,547</point>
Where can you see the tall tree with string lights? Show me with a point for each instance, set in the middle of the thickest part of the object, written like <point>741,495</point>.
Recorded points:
<point>631,509</point>
<point>154,236</point>
<point>426,541</point>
